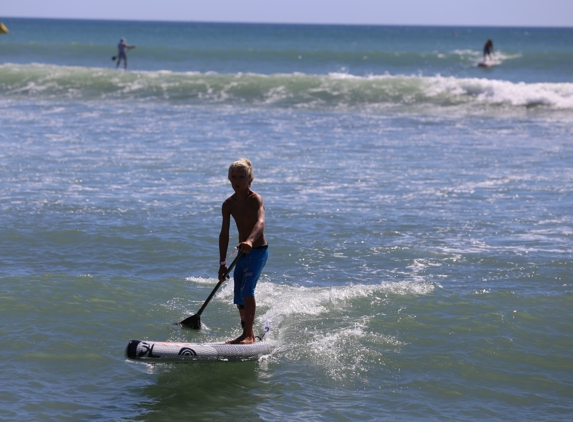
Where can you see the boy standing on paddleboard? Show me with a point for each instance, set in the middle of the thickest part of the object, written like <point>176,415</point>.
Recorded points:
<point>247,209</point>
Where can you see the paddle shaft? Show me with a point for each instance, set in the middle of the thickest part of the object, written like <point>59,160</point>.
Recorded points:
<point>200,311</point>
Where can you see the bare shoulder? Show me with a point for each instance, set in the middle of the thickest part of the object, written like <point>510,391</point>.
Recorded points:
<point>227,204</point>
<point>256,198</point>
<point>228,200</point>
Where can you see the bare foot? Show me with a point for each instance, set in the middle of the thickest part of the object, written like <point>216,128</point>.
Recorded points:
<point>242,339</point>
<point>236,341</point>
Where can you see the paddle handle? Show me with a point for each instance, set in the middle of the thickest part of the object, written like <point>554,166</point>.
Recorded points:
<point>200,311</point>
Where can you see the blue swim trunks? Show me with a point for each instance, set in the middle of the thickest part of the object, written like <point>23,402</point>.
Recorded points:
<point>247,273</point>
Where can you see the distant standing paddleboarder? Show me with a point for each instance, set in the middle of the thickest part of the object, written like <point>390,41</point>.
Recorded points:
<point>488,51</point>
<point>122,48</point>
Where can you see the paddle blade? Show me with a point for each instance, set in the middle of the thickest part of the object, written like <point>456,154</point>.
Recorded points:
<point>194,321</point>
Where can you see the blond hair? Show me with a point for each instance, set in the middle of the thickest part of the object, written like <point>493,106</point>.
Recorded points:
<point>245,166</point>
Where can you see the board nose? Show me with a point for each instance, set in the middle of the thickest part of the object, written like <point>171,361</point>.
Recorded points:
<point>131,349</point>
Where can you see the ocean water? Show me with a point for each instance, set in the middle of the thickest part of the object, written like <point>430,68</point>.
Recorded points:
<point>418,211</point>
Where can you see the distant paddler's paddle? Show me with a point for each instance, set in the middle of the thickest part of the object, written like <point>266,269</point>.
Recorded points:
<point>194,321</point>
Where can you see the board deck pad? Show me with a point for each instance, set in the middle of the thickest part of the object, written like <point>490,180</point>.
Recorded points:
<point>157,351</point>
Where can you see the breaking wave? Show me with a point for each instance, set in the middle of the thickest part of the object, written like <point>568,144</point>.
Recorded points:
<point>295,90</point>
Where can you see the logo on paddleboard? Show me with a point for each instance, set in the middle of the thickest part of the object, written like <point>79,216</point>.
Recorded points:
<point>146,349</point>
<point>186,351</point>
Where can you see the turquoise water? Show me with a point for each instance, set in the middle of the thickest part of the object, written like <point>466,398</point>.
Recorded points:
<point>418,216</point>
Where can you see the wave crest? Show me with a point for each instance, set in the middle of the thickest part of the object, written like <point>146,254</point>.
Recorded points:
<point>295,90</point>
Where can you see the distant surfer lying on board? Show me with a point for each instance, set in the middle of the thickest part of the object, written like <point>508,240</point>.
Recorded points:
<point>122,48</point>
<point>247,209</point>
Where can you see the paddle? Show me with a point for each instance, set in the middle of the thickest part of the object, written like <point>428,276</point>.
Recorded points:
<point>194,321</point>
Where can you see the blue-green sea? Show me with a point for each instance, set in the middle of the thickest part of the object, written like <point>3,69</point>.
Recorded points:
<point>418,213</point>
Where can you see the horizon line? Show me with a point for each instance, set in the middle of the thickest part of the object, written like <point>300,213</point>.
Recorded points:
<point>295,23</point>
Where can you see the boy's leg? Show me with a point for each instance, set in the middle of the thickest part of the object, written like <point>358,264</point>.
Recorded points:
<point>248,318</point>
<point>250,311</point>
<point>247,273</point>
<point>242,314</point>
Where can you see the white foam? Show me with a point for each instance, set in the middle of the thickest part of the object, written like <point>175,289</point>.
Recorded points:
<point>201,280</point>
<point>285,301</point>
<point>344,353</point>
<point>557,95</point>
<point>475,56</point>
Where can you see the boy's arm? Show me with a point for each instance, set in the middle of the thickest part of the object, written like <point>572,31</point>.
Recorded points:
<point>224,236</point>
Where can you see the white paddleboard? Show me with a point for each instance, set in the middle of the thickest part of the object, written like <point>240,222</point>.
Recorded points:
<point>158,351</point>
<point>486,64</point>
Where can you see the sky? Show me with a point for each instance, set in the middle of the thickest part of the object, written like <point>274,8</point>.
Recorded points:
<point>361,12</point>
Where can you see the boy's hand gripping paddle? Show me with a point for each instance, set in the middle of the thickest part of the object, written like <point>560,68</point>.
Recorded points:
<point>194,321</point>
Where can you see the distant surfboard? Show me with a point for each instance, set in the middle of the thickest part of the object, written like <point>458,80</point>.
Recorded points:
<point>3,29</point>
<point>486,64</point>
